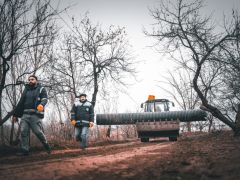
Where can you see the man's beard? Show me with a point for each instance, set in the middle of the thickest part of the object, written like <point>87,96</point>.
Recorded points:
<point>32,84</point>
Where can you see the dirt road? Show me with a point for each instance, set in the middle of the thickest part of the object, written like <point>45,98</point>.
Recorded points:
<point>67,164</point>
<point>192,157</point>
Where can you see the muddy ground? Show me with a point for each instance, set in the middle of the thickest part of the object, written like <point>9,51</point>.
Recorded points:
<point>194,156</point>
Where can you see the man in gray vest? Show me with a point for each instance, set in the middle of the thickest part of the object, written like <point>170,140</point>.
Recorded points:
<point>82,117</point>
<point>30,109</point>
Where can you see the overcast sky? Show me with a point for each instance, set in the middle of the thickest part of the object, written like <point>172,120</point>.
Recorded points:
<point>134,15</point>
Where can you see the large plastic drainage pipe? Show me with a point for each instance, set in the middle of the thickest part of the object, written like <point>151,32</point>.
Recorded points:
<point>132,118</point>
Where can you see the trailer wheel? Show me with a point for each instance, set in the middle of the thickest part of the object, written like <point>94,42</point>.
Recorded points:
<point>173,138</point>
<point>144,139</point>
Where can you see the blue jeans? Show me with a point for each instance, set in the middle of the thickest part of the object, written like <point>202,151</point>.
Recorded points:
<point>81,134</point>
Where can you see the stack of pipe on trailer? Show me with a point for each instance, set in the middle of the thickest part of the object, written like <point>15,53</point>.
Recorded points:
<point>132,118</point>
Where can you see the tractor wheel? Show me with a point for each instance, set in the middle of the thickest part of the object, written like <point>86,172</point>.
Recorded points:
<point>173,138</point>
<point>144,139</point>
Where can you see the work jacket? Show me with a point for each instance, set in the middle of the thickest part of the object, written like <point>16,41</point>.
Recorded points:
<point>82,111</point>
<point>30,99</point>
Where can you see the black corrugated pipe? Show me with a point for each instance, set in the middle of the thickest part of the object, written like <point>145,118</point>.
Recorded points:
<point>132,118</point>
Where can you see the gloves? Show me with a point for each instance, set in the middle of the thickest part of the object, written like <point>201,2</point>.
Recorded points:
<point>40,108</point>
<point>91,124</point>
<point>73,122</point>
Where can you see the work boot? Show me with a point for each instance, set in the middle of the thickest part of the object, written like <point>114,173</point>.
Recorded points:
<point>83,147</point>
<point>78,138</point>
<point>48,148</point>
<point>83,150</point>
<point>23,153</point>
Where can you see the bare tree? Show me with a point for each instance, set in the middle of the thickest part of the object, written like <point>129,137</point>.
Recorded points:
<point>66,73</point>
<point>181,91</point>
<point>103,55</point>
<point>21,22</point>
<point>184,32</point>
<point>86,60</point>
<point>64,80</point>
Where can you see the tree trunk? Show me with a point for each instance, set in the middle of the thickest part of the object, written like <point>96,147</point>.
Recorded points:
<point>98,133</point>
<point>95,90</point>
<point>210,123</point>
<point>200,127</point>
<point>2,129</point>
<point>11,134</point>
<point>13,69</point>
<point>117,133</point>
<point>9,114</point>
<point>2,136</point>
<point>108,131</point>
<point>237,121</point>
<point>213,110</point>
<point>189,126</point>
<point>3,72</point>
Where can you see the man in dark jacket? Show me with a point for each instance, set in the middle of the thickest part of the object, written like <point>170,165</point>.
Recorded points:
<point>82,117</point>
<point>30,109</point>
